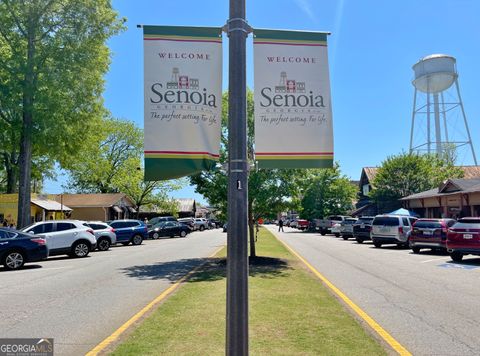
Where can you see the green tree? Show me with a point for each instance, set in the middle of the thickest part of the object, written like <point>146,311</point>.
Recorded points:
<point>326,192</point>
<point>269,191</point>
<point>405,174</point>
<point>53,58</point>
<point>110,162</point>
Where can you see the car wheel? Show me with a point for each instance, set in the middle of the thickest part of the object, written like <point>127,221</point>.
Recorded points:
<point>456,256</point>
<point>337,235</point>
<point>155,236</point>
<point>183,233</point>
<point>80,249</point>
<point>345,237</point>
<point>137,240</point>
<point>377,244</point>
<point>103,244</point>
<point>14,260</point>
<point>360,241</point>
<point>201,228</point>
<point>322,233</point>
<point>416,249</point>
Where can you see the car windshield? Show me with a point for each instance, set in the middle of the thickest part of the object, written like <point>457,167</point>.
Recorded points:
<point>365,221</point>
<point>428,224</point>
<point>385,221</point>
<point>469,221</point>
<point>466,225</point>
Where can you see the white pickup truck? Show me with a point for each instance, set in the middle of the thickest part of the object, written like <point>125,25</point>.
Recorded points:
<point>325,225</point>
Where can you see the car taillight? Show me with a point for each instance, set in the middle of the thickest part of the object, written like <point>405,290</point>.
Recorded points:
<point>400,230</point>
<point>39,241</point>
<point>112,229</point>
<point>91,231</point>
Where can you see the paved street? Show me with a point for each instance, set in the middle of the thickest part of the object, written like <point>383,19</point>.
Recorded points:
<point>427,303</point>
<point>79,302</point>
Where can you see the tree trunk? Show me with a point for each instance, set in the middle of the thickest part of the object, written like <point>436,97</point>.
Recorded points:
<point>11,171</point>
<point>25,158</point>
<point>251,231</point>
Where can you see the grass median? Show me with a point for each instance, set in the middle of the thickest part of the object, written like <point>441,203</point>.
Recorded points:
<point>291,313</point>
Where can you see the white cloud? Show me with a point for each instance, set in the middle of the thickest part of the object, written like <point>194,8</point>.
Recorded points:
<point>306,7</point>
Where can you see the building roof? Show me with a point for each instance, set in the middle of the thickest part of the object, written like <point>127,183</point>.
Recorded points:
<point>50,205</point>
<point>469,172</point>
<point>450,187</point>
<point>185,204</point>
<point>93,200</point>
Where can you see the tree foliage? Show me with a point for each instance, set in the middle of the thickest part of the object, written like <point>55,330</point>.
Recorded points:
<point>405,174</point>
<point>52,60</point>
<point>111,162</point>
<point>326,192</point>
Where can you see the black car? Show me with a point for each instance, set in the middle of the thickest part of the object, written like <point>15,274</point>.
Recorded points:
<point>17,248</point>
<point>169,228</point>
<point>159,219</point>
<point>362,228</point>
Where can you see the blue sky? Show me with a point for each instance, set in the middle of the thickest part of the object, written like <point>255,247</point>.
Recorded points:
<point>372,48</point>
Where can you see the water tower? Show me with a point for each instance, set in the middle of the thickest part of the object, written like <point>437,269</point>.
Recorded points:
<point>434,75</point>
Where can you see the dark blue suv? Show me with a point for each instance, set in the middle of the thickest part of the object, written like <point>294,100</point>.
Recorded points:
<point>134,231</point>
<point>16,248</point>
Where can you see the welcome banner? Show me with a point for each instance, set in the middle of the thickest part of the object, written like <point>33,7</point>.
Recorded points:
<point>293,113</point>
<point>183,98</point>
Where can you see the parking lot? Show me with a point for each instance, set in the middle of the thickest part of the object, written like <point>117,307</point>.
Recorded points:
<point>425,301</point>
<point>79,302</point>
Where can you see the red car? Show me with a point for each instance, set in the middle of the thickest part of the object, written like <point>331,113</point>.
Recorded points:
<point>302,224</point>
<point>430,233</point>
<point>463,238</point>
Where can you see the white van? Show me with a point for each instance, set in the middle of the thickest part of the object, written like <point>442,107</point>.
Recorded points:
<point>391,229</point>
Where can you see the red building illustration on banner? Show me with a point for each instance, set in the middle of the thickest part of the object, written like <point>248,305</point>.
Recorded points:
<point>178,81</point>
<point>289,85</point>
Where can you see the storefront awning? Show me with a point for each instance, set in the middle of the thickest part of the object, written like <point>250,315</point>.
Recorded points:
<point>50,205</point>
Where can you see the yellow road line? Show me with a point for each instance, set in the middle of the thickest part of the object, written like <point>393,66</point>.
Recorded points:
<point>116,334</point>
<point>372,323</point>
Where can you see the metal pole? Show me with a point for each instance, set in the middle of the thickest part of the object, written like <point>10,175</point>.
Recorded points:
<point>413,119</point>
<point>438,134</point>
<point>237,254</point>
<point>465,121</point>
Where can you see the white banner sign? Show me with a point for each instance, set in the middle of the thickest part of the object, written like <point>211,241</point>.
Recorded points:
<point>183,98</point>
<point>293,113</point>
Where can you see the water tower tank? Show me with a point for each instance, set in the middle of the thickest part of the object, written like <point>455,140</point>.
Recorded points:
<point>434,73</point>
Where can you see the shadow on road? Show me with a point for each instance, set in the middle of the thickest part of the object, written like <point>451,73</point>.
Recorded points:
<point>467,262</point>
<point>214,269</point>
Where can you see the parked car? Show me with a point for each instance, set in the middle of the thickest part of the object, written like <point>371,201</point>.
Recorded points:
<point>430,233</point>
<point>104,233</point>
<point>201,224</point>
<point>225,227</point>
<point>335,229</point>
<point>17,248</point>
<point>169,228</point>
<point>65,237</point>
<point>325,225</point>
<point>294,224</point>
<point>130,231</point>
<point>391,229</point>
<point>159,219</point>
<point>190,222</point>
<point>362,228</point>
<point>346,228</point>
<point>214,223</point>
<point>302,224</point>
<point>463,238</point>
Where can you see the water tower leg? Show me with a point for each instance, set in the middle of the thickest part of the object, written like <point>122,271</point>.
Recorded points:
<point>444,114</point>
<point>438,134</point>
<point>465,121</point>
<point>429,141</point>
<point>413,119</point>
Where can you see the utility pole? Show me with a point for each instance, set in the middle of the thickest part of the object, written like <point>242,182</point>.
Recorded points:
<point>237,241</point>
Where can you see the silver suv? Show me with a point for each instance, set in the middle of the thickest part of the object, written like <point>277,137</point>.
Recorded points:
<point>65,237</point>
<point>391,229</point>
<point>104,233</point>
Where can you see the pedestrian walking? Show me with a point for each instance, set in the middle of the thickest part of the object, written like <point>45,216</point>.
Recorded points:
<point>280,225</point>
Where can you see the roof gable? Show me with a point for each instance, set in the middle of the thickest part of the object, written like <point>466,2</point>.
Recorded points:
<point>94,200</point>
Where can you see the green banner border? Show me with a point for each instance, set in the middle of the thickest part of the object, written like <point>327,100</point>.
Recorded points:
<point>170,168</point>
<point>290,163</point>
<point>290,35</point>
<point>185,31</point>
